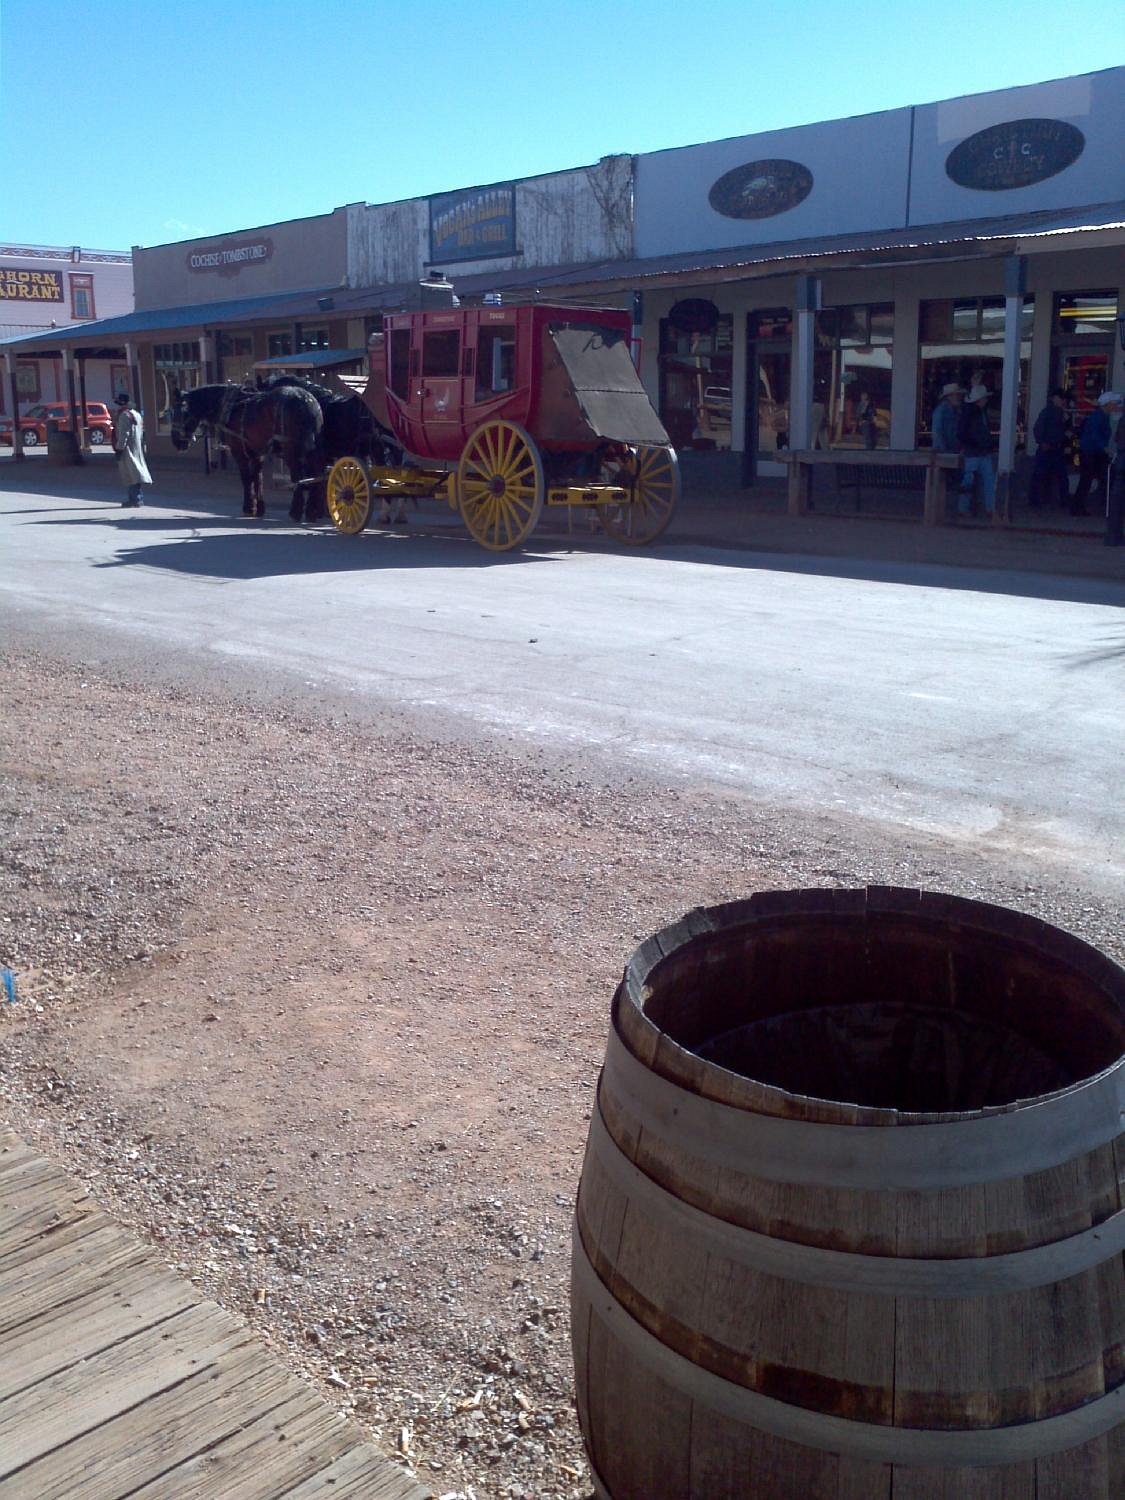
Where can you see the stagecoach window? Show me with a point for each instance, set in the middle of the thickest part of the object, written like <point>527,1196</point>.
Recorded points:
<point>400,362</point>
<point>441,353</point>
<point>496,360</point>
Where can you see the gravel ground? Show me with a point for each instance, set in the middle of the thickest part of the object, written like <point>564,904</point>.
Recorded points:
<point>318,1007</point>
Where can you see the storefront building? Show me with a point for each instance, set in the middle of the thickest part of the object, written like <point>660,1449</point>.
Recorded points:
<point>921,241</point>
<point>59,286</point>
<point>798,289</point>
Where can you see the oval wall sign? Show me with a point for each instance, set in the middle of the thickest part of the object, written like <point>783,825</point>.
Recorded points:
<point>1015,154</point>
<point>761,189</point>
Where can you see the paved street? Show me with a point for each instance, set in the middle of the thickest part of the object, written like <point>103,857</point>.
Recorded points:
<point>983,706</point>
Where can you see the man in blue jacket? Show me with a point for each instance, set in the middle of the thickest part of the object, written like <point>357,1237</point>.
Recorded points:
<point>1050,469</point>
<point>1093,449</point>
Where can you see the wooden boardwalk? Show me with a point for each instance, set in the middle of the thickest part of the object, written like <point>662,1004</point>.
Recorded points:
<point>117,1378</point>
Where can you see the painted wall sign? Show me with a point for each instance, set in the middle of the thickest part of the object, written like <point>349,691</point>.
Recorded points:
<point>476,224</point>
<point>30,286</point>
<point>1015,154</point>
<point>761,189</point>
<point>229,259</point>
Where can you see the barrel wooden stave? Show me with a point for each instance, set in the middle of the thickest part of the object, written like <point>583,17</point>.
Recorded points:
<point>961,1364</point>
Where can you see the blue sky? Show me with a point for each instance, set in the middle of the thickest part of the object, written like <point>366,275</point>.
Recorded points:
<point>153,120</point>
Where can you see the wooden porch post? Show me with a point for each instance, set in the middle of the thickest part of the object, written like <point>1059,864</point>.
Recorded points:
<point>1015,284</point>
<point>13,385</point>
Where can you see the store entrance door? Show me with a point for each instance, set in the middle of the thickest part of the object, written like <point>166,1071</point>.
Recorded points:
<point>769,359</point>
<point>1083,373</point>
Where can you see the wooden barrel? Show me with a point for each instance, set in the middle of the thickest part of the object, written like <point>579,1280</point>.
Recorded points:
<point>850,1222</point>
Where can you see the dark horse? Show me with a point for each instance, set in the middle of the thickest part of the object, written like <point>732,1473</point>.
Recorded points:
<point>253,423</point>
<point>351,430</point>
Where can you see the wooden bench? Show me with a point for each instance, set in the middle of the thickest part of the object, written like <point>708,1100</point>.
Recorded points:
<point>858,477</point>
<point>874,469</point>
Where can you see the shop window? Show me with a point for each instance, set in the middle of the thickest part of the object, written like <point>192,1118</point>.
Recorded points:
<point>279,345</point>
<point>441,352</point>
<point>400,362</point>
<point>961,342</point>
<point>496,360</point>
<point>175,366</point>
<point>696,362</point>
<point>312,338</point>
<point>1082,314</point>
<point>27,382</point>
<point>82,297</point>
<point>771,323</point>
<point>852,376</point>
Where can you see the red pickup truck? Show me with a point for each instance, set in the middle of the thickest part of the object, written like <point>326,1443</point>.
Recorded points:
<point>33,423</point>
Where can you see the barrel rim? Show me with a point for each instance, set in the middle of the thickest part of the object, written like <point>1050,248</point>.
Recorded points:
<point>670,1059</point>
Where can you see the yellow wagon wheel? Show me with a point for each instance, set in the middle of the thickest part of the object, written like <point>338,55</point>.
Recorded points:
<point>348,496</point>
<point>500,486</point>
<point>655,477</point>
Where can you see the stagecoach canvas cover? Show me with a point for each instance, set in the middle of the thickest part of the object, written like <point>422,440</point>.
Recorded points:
<point>609,390</point>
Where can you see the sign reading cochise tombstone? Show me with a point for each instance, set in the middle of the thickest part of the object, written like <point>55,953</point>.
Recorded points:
<point>476,224</point>
<point>761,189</point>
<point>30,286</point>
<point>1016,154</point>
<point>229,259</point>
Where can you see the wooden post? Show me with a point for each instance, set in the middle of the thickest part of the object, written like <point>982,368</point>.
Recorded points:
<point>934,481</point>
<point>13,384</point>
<point>77,420</point>
<point>801,384</point>
<point>82,400</point>
<point>1015,284</point>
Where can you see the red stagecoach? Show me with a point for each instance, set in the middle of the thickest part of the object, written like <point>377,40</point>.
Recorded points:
<point>502,411</point>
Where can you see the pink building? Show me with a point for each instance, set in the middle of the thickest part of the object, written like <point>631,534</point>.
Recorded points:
<point>58,286</point>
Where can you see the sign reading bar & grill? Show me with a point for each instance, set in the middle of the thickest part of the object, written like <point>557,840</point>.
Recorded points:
<point>229,259</point>
<point>30,286</point>
<point>473,225</point>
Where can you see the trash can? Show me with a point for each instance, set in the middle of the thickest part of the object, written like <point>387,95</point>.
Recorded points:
<point>849,1221</point>
<point>62,445</point>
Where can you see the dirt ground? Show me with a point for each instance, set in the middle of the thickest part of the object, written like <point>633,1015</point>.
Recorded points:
<point>318,1007</point>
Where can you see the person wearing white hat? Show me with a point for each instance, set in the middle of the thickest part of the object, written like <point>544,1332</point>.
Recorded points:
<point>943,423</point>
<point>974,437</point>
<point>1094,438</point>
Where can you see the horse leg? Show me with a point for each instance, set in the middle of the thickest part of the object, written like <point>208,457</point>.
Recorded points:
<point>259,497</point>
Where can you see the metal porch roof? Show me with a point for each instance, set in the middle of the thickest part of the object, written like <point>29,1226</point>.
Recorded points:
<point>991,237</point>
<point>312,359</point>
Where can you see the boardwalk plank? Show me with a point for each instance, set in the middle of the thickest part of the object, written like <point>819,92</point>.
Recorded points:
<point>144,1443</point>
<point>62,1407</point>
<point>105,1316</point>
<point>117,1379</point>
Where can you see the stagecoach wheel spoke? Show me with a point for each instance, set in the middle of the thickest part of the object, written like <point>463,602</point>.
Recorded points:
<point>500,486</point>
<point>348,496</point>
<point>655,477</point>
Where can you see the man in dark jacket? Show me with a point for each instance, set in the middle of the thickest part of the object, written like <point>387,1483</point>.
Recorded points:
<point>1050,452</point>
<point>975,438</point>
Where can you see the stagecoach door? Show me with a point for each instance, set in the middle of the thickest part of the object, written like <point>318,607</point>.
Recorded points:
<point>440,384</point>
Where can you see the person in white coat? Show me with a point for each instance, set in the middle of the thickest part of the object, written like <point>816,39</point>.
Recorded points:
<point>128,444</point>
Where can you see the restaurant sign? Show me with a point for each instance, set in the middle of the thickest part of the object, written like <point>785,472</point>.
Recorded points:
<point>230,258</point>
<point>1015,154</point>
<point>761,189</point>
<point>476,224</point>
<point>30,286</point>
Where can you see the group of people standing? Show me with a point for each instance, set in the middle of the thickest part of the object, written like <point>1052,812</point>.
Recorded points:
<point>960,425</point>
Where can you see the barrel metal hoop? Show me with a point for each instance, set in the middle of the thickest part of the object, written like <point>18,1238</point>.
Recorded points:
<point>847,1271</point>
<point>956,1153</point>
<point>911,1446</point>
